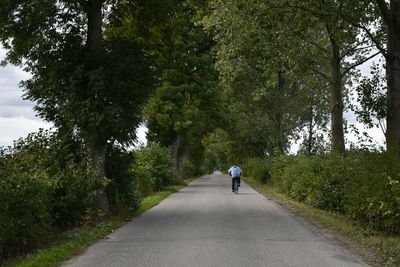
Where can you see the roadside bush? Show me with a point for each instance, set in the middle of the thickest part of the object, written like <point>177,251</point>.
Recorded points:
<point>41,192</point>
<point>74,196</point>
<point>190,169</point>
<point>363,185</point>
<point>258,168</point>
<point>193,169</point>
<point>26,198</point>
<point>154,169</point>
<point>372,195</point>
<point>122,188</point>
<point>332,176</point>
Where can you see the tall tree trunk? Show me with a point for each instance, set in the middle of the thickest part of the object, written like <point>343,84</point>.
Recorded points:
<point>393,80</point>
<point>310,128</point>
<point>176,155</point>
<point>336,100</point>
<point>98,164</point>
<point>280,143</point>
<point>279,116</point>
<point>95,23</point>
<point>94,44</point>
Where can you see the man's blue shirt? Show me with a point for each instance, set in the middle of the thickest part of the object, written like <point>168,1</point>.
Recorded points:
<point>235,171</point>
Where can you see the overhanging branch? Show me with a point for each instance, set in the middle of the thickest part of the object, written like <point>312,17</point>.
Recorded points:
<point>359,63</point>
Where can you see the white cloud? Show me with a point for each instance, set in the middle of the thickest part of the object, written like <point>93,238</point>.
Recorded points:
<point>15,128</point>
<point>17,118</point>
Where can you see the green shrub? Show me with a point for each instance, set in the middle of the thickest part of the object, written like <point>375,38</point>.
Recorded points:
<point>363,185</point>
<point>26,199</point>
<point>74,196</point>
<point>194,167</point>
<point>258,168</point>
<point>122,188</point>
<point>44,188</point>
<point>317,180</point>
<point>154,169</point>
<point>190,169</point>
<point>373,192</point>
<point>331,173</point>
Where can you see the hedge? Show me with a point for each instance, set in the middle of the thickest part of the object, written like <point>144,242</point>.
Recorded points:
<point>363,185</point>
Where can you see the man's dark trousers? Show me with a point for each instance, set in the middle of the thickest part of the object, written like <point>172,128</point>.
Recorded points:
<point>233,181</point>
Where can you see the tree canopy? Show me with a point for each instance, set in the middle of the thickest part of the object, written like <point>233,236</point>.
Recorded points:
<point>256,76</point>
<point>81,80</point>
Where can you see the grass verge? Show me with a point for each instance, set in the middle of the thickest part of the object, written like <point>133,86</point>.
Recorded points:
<point>76,241</point>
<point>340,228</point>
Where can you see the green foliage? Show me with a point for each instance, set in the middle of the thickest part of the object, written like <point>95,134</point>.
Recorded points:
<point>362,185</point>
<point>74,196</point>
<point>266,87</point>
<point>25,219</point>
<point>186,104</point>
<point>47,186</point>
<point>122,188</point>
<point>153,168</point>
<point>219,151</point>
<point>317,182</point>
<point>258,168</point>
<point>77,241</point>
<point>93,85</point>
<point>372,97</point>
<point>100,93</point>
<point>43,189</point>
<point>191,169</point>
<point>372,194</point>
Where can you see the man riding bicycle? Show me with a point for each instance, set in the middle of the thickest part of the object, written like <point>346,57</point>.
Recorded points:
<point>235,172</point>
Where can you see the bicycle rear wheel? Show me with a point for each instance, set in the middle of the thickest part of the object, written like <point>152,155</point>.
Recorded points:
<point>236,187</point>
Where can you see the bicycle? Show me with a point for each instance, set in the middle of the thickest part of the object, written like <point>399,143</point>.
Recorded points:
<point>236,187</point>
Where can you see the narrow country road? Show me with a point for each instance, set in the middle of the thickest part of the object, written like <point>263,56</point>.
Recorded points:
<point>205,224</point>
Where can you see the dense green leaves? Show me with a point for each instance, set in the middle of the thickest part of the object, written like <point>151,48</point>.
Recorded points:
<point>364,186</point>
<point>372,98</point>
<point>154,169</point>
<point>45,187</point>
<point>81,80</point>
<point>186,103</point>
<point>216,82</point>
<point>259,72</point>
<point>110,106</point>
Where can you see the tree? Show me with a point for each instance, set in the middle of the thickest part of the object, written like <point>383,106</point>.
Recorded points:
<point>255,60</point>
<point>390,15</point>
<point>186,104</point>
<point>371,93</point>
<point>218,150</point>
<point>315,114</point>
<point>380,22</point>
<point>81,80</point>
<point>339,49</point>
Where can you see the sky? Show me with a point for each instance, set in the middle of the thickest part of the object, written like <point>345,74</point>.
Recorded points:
<point>18,119</point>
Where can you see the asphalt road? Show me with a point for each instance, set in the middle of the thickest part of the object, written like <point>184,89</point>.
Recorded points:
<point>205,224</point>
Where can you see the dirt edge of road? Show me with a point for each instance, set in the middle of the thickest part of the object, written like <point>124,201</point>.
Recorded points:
<point>352,247</point>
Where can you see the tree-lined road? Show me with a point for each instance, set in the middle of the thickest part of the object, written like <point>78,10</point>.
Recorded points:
<point>205,224</point>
